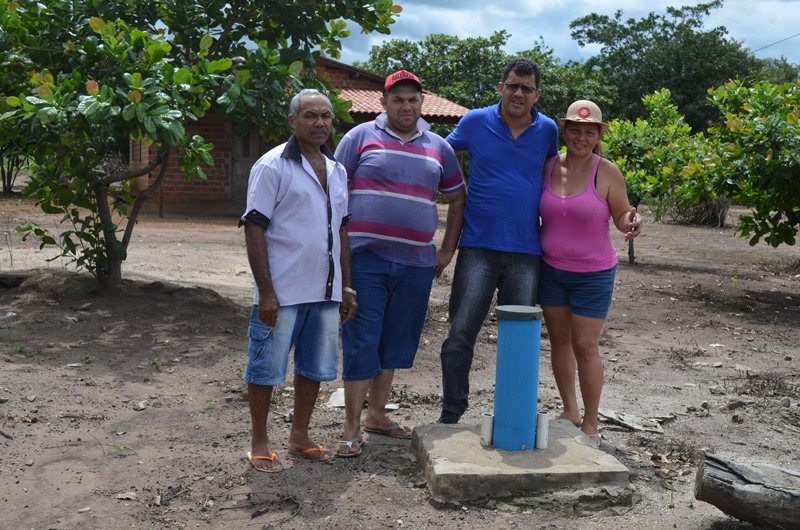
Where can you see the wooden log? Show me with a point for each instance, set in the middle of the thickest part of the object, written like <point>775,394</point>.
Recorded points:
<point>761,494</point>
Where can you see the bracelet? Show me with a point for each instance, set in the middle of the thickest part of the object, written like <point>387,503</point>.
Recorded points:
<point>349,290</point>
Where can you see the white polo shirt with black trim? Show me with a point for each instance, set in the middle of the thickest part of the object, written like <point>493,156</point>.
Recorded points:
<point>301,223</point>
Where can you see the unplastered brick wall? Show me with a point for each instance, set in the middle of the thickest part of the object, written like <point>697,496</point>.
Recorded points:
<point>217,185</point>
<point>340,78</point>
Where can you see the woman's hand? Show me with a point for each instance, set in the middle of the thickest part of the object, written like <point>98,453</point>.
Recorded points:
<point>634,224</point>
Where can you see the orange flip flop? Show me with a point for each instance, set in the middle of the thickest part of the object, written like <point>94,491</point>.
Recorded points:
<point>271,458</point>
<point>324,456</point>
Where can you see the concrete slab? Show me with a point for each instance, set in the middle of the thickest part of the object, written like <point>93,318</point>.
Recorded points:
<point>458,468</point>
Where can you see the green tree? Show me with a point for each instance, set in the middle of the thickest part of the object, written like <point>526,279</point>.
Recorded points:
<point>778,71</point>
<point>670,51</point>
<point>676,173</point>
<point>100,72</point>
<point>465,71</point>
<point>563,83</point>
<point>643,150</point>
<point>13,77</point>
<point>12,160</point>
<point>760,140</point>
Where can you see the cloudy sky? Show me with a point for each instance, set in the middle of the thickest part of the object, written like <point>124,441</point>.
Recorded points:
<point>759,26</point>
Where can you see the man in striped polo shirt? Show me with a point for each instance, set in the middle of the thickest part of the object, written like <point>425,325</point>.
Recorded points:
<point>395,167</point>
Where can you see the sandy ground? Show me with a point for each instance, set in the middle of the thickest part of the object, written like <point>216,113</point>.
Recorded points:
<point>125,411</point>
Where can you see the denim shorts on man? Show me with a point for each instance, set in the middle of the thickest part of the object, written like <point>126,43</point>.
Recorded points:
<point>587,294</point>
<point>312,329</point>
<point>392,306</point>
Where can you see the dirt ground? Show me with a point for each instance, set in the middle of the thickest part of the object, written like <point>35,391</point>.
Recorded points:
<point>126,412</point>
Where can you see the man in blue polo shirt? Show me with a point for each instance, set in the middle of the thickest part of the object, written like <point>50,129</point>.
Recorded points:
<point>499,249</point>
<point>395,166</point>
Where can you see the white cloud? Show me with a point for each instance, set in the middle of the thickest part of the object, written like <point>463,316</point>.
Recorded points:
<point>759,26</point>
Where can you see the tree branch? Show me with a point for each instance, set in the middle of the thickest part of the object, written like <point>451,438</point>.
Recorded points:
<point>163,159</point>
<point>130,173</point>
<point>220,40</point>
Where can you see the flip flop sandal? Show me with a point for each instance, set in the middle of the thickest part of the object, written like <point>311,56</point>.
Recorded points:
<point>310,451</point>
<point>252,459</point>
<point>349,443</point>
<point>390,430</point>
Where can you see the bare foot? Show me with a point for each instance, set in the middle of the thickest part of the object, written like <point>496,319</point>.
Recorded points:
<point>262,457</point>
<point>594,439</point>
<point>264,463</point>
<point>350,448</point>
<point>575,420</point>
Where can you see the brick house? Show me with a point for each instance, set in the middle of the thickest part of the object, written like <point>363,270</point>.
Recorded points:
<point>234,155</point>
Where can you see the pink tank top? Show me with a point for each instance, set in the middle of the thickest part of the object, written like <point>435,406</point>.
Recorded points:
<point>575,229</point>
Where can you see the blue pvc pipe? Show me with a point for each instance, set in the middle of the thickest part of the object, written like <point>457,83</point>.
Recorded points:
<point>517,377</point>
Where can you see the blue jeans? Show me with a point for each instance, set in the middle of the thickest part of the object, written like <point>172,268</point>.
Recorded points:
<point>392,306</point>
<point>587,294</point>
<point>477,274</point>
<point>311,329</point>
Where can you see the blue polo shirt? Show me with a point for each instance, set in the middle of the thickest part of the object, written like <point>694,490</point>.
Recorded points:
<point>505,179</point>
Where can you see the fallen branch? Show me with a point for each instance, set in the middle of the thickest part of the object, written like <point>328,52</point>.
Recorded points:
<point>6,434</point>
<point>632,422</point>
<point>762,494</point>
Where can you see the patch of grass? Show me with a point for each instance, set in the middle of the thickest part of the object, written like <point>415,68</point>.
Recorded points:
<point>154,362</point>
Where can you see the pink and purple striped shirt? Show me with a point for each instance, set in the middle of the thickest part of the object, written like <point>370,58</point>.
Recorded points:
<point>393,187</point>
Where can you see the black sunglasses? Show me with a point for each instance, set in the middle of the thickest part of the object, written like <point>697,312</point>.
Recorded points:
<point>512,87</point>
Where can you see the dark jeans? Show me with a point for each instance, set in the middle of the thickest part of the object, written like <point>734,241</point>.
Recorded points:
<point>478,273</point>
<point>393,303</point>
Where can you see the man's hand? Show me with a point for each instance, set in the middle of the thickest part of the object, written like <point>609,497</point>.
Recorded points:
<point>348,307</point>
<point>268,307</point>
<point>445,257</point>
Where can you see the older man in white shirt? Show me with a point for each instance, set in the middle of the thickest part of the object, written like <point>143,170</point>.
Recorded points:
<point>299,254</point>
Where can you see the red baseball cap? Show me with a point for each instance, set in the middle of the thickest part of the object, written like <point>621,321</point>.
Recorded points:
<point>401,75</point>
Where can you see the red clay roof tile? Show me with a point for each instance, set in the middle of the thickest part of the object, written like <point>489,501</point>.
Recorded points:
<point>434,107</point>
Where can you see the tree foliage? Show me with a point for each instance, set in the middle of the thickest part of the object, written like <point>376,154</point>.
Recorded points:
<point>777,71</point>
<point>654,154</point>
<point>566,82</point>
<point>760,145</point>
<point>96,73</point>
<point>751,159</point>
<point>465,71</point>
<point>671,51</point>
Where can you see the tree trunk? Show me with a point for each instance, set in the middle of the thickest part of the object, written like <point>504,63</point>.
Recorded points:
<point>109,274</point>
<point>761,494</point>
<point>11,162</point>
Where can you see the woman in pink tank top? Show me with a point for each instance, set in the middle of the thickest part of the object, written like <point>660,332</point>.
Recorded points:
<point>582,193</point>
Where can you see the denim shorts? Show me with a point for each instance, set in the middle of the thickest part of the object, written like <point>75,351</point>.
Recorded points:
<point>313,331</point>
<point>392,306</point>
<point>587,294</point>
